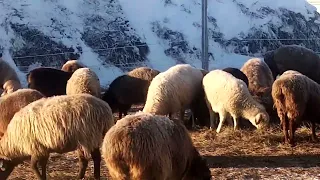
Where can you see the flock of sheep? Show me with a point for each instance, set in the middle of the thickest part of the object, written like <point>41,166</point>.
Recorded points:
<point>65,110</point>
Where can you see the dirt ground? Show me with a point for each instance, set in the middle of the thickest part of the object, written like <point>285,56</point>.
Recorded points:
<point>241,154</point>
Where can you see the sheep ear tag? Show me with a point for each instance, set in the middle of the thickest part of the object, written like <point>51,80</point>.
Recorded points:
<point>2,166</point>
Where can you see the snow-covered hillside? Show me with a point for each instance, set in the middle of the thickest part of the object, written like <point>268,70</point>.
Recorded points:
<point>112,36</point>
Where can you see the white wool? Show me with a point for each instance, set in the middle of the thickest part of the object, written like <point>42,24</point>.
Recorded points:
<point>230,96</point>
<point>173,90</point>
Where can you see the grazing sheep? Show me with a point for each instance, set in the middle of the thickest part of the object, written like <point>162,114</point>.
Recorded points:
<point>129,89</point>
<point>84,80</point>
<point>298,58</point>
<point>200,112</point>
<point>230,96</point>
<point>58,124</point>
<point>11,86</point>
<point>173,90</point>
<point>9,80</point>
<point>49,81</point>
<point>260,84</point>
<point>13,102</point>
<point>237,73</point>
<point>296,98</point>
<point>72,66</point>
<point>145,146</point>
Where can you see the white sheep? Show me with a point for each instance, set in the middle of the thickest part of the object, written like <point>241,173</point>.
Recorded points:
<point>56,124</point>
<point>9,80</point>
<point>84,80</point>
<point>173,90</point>
<point>230,96</point>
<point>146,146</point>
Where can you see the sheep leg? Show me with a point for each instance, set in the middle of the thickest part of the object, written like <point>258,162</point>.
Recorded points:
<point>43,163</point>
<point>182,115</point>
<point>170,115</point>
<point>120,114</point>
<point>83,164</point>
<point>222,117</point>
<point>34,163</point>
<point>211,113</point>
<point>313,132</point>
<point>235,123</point>
<point>292,131</point>
<point>96,157</point>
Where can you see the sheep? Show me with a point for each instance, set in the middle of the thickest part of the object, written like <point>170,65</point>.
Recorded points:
<point>296,98</point>
<point>11,86</point>
<point>84,80</point>
<point>238,74</point>
<point>58,124</point>
<point>49,81</point>
<point>146,146</point>
<point>200,113</point>
<point>13,102</point>
<point>72,66</point>
<point>260,83</point>
<point>9,80</point>
<point>229,96</point>
<point>298,58</point>
<point>268,58</point>
<point>129,89</point>
<point>173,90</point>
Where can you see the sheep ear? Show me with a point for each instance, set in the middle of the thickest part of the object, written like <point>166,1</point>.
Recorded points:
<point>2,165</point>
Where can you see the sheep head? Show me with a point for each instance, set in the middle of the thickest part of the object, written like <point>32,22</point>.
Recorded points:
<point>6,167</point>
<point>261,120</point>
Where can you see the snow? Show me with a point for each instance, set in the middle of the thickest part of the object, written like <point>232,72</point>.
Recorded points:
<point>178,16</point>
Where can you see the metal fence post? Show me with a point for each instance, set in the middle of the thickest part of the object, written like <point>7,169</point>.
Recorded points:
<point>204,42</point>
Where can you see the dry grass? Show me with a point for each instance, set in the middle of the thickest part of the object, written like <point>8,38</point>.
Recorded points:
<point>241,154</point>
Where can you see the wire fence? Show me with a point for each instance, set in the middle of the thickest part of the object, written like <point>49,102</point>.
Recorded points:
<point>141,44</point>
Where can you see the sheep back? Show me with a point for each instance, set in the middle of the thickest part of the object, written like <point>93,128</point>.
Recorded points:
<point>13,102</point>
<point>57,124</point>
<point>298,58</point>
<point>84,80</point>
<point>227,94</point>
<point>173,90</point>
<point>145,146</point>
<point>144,73</point>
<point>72,66</point>
<point>49,81</point>
<point>238,74</point>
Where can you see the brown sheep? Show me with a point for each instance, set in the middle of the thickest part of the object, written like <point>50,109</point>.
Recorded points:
<point>58,124</point>
<point>8,74</point>
<point>12,103</point>
<point>145,146</point>
<point>72,66</point>
<point>260,83</point>
<point>296,98</point>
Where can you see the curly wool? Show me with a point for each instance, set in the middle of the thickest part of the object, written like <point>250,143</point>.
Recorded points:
<point>146,146</point>
<point>57,124</point>
<point>12,103</point>
<point>84,80</point>
<point>230,96</point>
<point>297,97</point>
<point>173,90</point>
<point>258,73</point>
<point>72,66</point>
